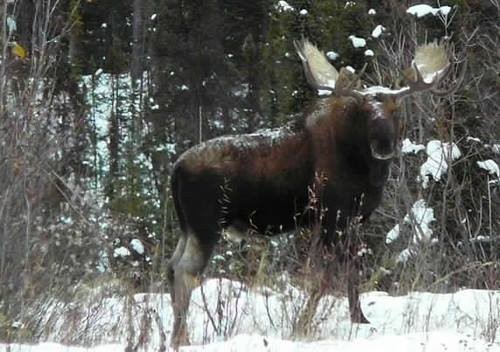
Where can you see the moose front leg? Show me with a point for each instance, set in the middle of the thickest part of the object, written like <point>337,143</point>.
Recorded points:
<point>346,245</point>
<point>348,256</point>
<point>352,271</point>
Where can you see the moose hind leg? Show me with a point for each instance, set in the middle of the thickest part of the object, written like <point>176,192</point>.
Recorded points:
<point>186,276</point>
<point>172,263</point>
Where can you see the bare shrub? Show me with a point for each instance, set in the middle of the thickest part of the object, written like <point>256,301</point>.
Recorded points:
<point>49,231</point>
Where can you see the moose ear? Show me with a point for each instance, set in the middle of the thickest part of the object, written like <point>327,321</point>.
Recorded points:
<point>347,81</point>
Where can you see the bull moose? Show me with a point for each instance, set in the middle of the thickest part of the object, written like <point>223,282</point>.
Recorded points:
<point>261,181</point>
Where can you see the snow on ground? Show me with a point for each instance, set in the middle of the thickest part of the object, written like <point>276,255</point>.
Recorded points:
<point>444,341</point>
<point>228,316</point>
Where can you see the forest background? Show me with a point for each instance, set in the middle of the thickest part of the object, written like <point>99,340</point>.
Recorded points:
<point>99,98</point>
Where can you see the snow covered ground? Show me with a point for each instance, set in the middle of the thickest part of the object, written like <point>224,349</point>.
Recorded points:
<point>228,316</point>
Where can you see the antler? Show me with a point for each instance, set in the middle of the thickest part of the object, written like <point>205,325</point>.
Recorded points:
<point>419,85</point>
<point>429,67</point>
<point>454,88</point>
<point>320,74</point>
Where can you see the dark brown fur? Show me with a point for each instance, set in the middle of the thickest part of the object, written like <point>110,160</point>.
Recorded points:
<point>261,183</point>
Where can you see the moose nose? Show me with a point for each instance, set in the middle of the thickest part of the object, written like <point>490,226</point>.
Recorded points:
<point>382,150</point>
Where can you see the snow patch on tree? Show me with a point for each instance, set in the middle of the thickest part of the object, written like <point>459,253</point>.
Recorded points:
<point>137,246</point>
<point>492,167</point>
<point>332,55</point>
<point>419,218</point>
<point>121,252</point>
<point>392,235</point>
<point>439,156</point>
<point>408,147</point>
<point>357,42</point>
<point>377,32</point>
<point>422,10</point>
<point>283,6</point>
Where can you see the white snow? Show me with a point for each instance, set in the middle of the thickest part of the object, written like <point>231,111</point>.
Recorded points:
<point>377,31</point>
<point>372,12</point>
<point>324,92</point>
<point>350,69</point>
<point>283,6</point>
<point>422,10</point>
<point>481,238</point>
<point>229,316</point>
<point>439,156</point>
<point>17,325</point>
<point>408,147</point>
<point>405,255</point>
<point>100,86</point>
<point>332,55</point>
<point>392,235</point>
<point>491,166</point>
<point>374,90</point>
<point>241,142</point>
<point>445,10</point>
<point>153,16</point>
<point>137,246</point>
<point>11,24</point>
<point>420,218</point>
<point>121,252</point>
<point>369,52</point>
<point>473,139</point>
<point>55,347</point>
<point>303,12</point>
<point>496,148</point>
<point>357,42</point>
